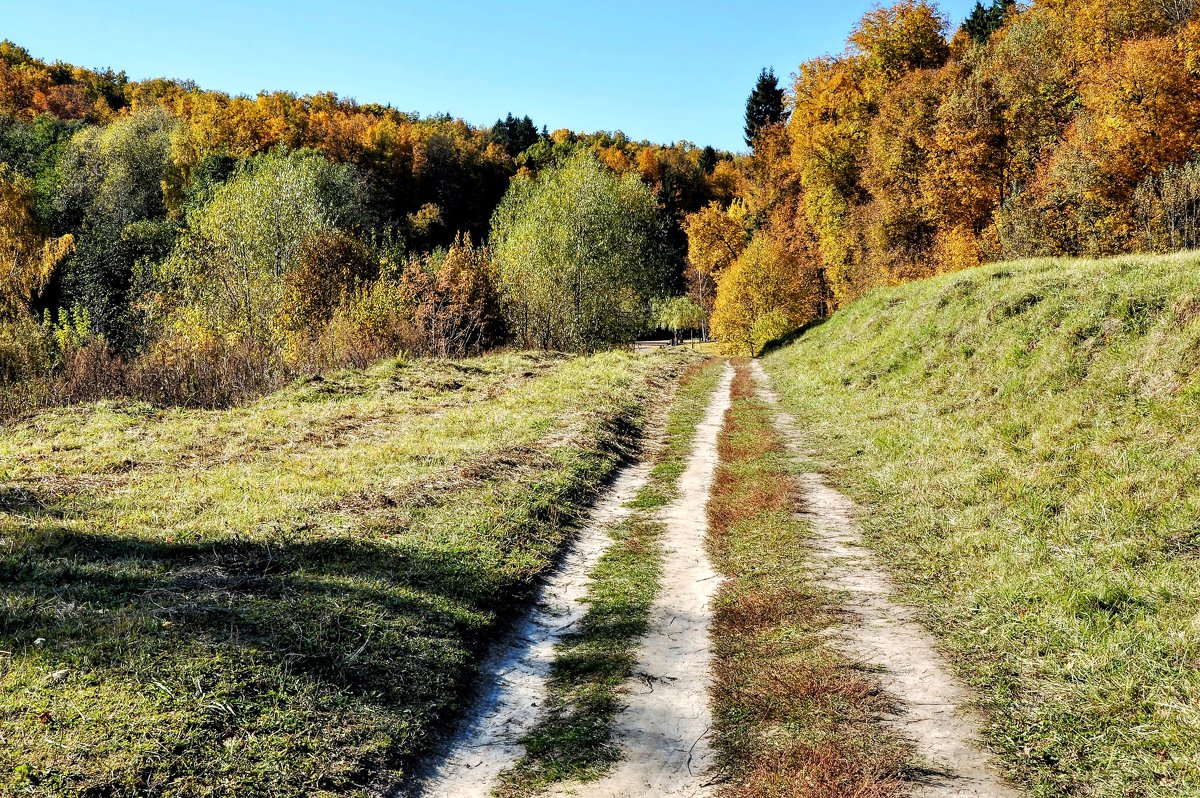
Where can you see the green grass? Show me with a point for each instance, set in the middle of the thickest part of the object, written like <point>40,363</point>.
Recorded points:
<point>574,740</point>
<point>1023,438</point>
<point>792,715</point>
<point>285,598</point>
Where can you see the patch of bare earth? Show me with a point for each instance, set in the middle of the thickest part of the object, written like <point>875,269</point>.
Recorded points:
<point>664,729</point>
<point>516,672</point>
<point>933,707</point>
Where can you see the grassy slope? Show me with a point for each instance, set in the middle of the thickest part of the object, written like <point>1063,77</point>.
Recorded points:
<point>574,741</point>
<point>284,598</point>
<point>1024,440</point>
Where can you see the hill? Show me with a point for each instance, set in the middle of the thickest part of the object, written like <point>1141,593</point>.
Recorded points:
<point>1022,437</point>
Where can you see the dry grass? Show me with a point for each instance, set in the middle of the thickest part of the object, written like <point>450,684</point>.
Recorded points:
<point>794,718</point>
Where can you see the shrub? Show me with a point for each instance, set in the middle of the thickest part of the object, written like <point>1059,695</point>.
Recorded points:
<point>453,299</point>
<point>1167,207</point>
<point>578,253</point>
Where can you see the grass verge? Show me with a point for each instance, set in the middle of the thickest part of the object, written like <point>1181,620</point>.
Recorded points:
<point>574,741</point>
<point>792,716</point>
<point>1022,438</point>
<point>286,598</point>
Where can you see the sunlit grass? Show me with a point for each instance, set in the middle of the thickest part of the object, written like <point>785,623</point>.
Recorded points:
<point>1023,438</point>
<point>285,598</point>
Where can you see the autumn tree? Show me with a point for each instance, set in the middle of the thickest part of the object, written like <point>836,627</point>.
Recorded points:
<point>900,226</point>
<point>449,300</point>
<point>579,251</point>
<point>28,256</point>
<point>1145,104</point>
<point>716,237</point>
<point>330,264</point>
<point>765,293</point>
<point>896,39</point>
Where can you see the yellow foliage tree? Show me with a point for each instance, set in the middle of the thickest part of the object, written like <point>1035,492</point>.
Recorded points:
<point>716,237</point>
<point>28,258</point>
<point>767,292</point>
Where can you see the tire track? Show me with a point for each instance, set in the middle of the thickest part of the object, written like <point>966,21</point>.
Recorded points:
<point>664,729</point>
<point>935,706</point>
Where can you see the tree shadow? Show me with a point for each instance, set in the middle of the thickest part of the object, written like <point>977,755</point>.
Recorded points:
<point>789,338</point>
<point>371,639</point>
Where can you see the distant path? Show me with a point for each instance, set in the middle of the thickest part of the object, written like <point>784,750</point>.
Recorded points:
<point>664,729</point>
<point>517,670</point>
<point>935,714</point>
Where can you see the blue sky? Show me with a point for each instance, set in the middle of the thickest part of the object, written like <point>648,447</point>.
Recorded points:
<point>662,71</point>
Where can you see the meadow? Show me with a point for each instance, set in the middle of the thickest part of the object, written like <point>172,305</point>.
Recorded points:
<point>288,597</point>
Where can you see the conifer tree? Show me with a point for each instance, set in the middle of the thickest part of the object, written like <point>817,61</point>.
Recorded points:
<point>765,105</point>
<point>983,20</point>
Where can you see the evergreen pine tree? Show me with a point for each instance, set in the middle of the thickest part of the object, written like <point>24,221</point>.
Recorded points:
<point>983,20</point>
<point>515,134</point>
<point>765,105</point>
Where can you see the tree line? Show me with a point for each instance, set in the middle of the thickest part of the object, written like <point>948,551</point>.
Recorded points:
<point>1064,127</point>
<point>184,245</point>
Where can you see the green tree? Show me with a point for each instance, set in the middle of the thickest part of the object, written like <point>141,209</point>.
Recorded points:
<point>515,135</point>
<point>110,183</point>
<point>765,105</point>
<point>234,272</point>
<point>680,314</point>
<point>578,250</point>
<point>983,20</point>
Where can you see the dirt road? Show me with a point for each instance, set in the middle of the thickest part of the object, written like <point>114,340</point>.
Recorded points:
<point>665,727</point>
<point>516,673</point>
<point>887,638</point>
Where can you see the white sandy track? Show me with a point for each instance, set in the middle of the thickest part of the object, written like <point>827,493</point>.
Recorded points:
<point>516,671</point>
<point>664,728</point>
<point>934,704</point>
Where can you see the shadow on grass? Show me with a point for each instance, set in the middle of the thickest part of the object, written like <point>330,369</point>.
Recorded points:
<point>316,661</point>
<point>365,647</point>
<point>791,337</point>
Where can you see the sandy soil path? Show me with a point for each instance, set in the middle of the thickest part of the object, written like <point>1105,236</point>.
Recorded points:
<point>517,670</point>
<point>664,729</point>
<point>935,714</point>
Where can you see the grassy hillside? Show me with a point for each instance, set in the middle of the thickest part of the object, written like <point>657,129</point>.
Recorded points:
<point>1025,441</point>
<point>283,598</point>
